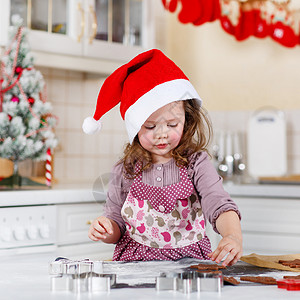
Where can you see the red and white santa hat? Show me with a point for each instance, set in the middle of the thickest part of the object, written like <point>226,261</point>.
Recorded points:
<point>143,85</point>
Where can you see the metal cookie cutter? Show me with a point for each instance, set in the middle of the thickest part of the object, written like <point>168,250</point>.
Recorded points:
<point>211,281</point>
<point>79,276</point>
<point>166,281</point>
<point>101,282</point>
<point>85,282</point>
<point>63,266</point>
<point>190,281</point>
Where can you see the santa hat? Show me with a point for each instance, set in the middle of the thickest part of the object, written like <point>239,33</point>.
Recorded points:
<point>142,86</point>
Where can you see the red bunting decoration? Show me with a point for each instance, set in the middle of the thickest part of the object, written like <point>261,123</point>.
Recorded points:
<point>242,19</point>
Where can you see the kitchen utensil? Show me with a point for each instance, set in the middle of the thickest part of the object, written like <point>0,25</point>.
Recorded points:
<point>289,284</point>
<point>84,282</point>
<point>228,155</point>
<point>166,281</point>
<point>190,281</point>
<point>267,155</point>
<point>79,276</point>
<point>238,164</point>
<point>211,281</point>
<point>61,283</point>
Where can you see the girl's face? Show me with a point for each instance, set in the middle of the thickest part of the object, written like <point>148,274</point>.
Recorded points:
<point>162,131</point>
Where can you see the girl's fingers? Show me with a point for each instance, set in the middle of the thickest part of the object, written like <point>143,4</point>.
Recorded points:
<point>99,228</point>
<point>106,224</point>
<point>230,257</point>
<point>96,236</point>
<point>225,251</point>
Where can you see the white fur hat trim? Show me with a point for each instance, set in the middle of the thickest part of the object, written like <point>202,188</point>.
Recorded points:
<point>91,126</point>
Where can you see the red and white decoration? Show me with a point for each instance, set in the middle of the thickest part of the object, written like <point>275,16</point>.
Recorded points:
<point>49,168</point>
<point>258,18</point>
<point>143,85</point>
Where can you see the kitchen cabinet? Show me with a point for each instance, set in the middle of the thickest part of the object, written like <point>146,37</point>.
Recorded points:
<point>270,226</point>
<point>110,30</point>
<point>270,218</point>
<point>72,231</point>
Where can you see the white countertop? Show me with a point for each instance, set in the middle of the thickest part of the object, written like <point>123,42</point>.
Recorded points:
<point>263,190</point>
<point>26,277</point>
<point>57,195</point>
<point>73,193</point>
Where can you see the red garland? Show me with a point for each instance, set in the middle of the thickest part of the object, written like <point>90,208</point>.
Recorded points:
<point>251,20</point>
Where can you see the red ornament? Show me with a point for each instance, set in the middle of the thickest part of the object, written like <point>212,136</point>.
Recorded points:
<point>18,70</point>
<point>9,117</point>
<point>31,101</point>
<point>15,99</point>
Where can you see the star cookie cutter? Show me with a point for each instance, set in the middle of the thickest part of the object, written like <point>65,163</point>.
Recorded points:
<point>79,276</point>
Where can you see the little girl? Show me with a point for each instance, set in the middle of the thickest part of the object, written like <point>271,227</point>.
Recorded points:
<point>165,188</point>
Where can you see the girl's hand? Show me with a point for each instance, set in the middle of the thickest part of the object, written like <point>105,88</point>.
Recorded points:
<point>231,246</point>
<point>100,228</point>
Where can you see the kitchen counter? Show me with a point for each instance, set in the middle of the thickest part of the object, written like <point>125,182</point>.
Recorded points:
<point>26,277</point>
<point>263,190</point>
<point>85,193</point>
<point>59,194</point>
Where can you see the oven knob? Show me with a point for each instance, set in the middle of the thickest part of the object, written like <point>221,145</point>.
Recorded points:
<point>19,233</point>
<point>6,234</point>
<point>45,231</point>
<point>32,232</point>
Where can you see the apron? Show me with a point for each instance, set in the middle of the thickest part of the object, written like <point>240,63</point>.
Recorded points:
<point>164,217</point>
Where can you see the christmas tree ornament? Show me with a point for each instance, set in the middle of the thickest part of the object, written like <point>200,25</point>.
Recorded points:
<point>18,70</point>
<point>15,99</point>
<point>25,133</point>
<point>31,100</point>
<point>49,168</point>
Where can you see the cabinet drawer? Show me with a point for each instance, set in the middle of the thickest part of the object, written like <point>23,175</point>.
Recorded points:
<point>269,215</point>
<point>72,222</point>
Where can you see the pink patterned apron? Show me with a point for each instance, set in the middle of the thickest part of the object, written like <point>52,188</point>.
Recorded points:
<point>164,217</point>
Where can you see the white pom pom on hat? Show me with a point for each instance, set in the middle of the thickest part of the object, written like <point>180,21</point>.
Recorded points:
<point>91,126</point>
<point>146,83</point>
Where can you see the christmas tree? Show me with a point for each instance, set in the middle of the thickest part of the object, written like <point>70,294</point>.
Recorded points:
<point>26,122</point>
